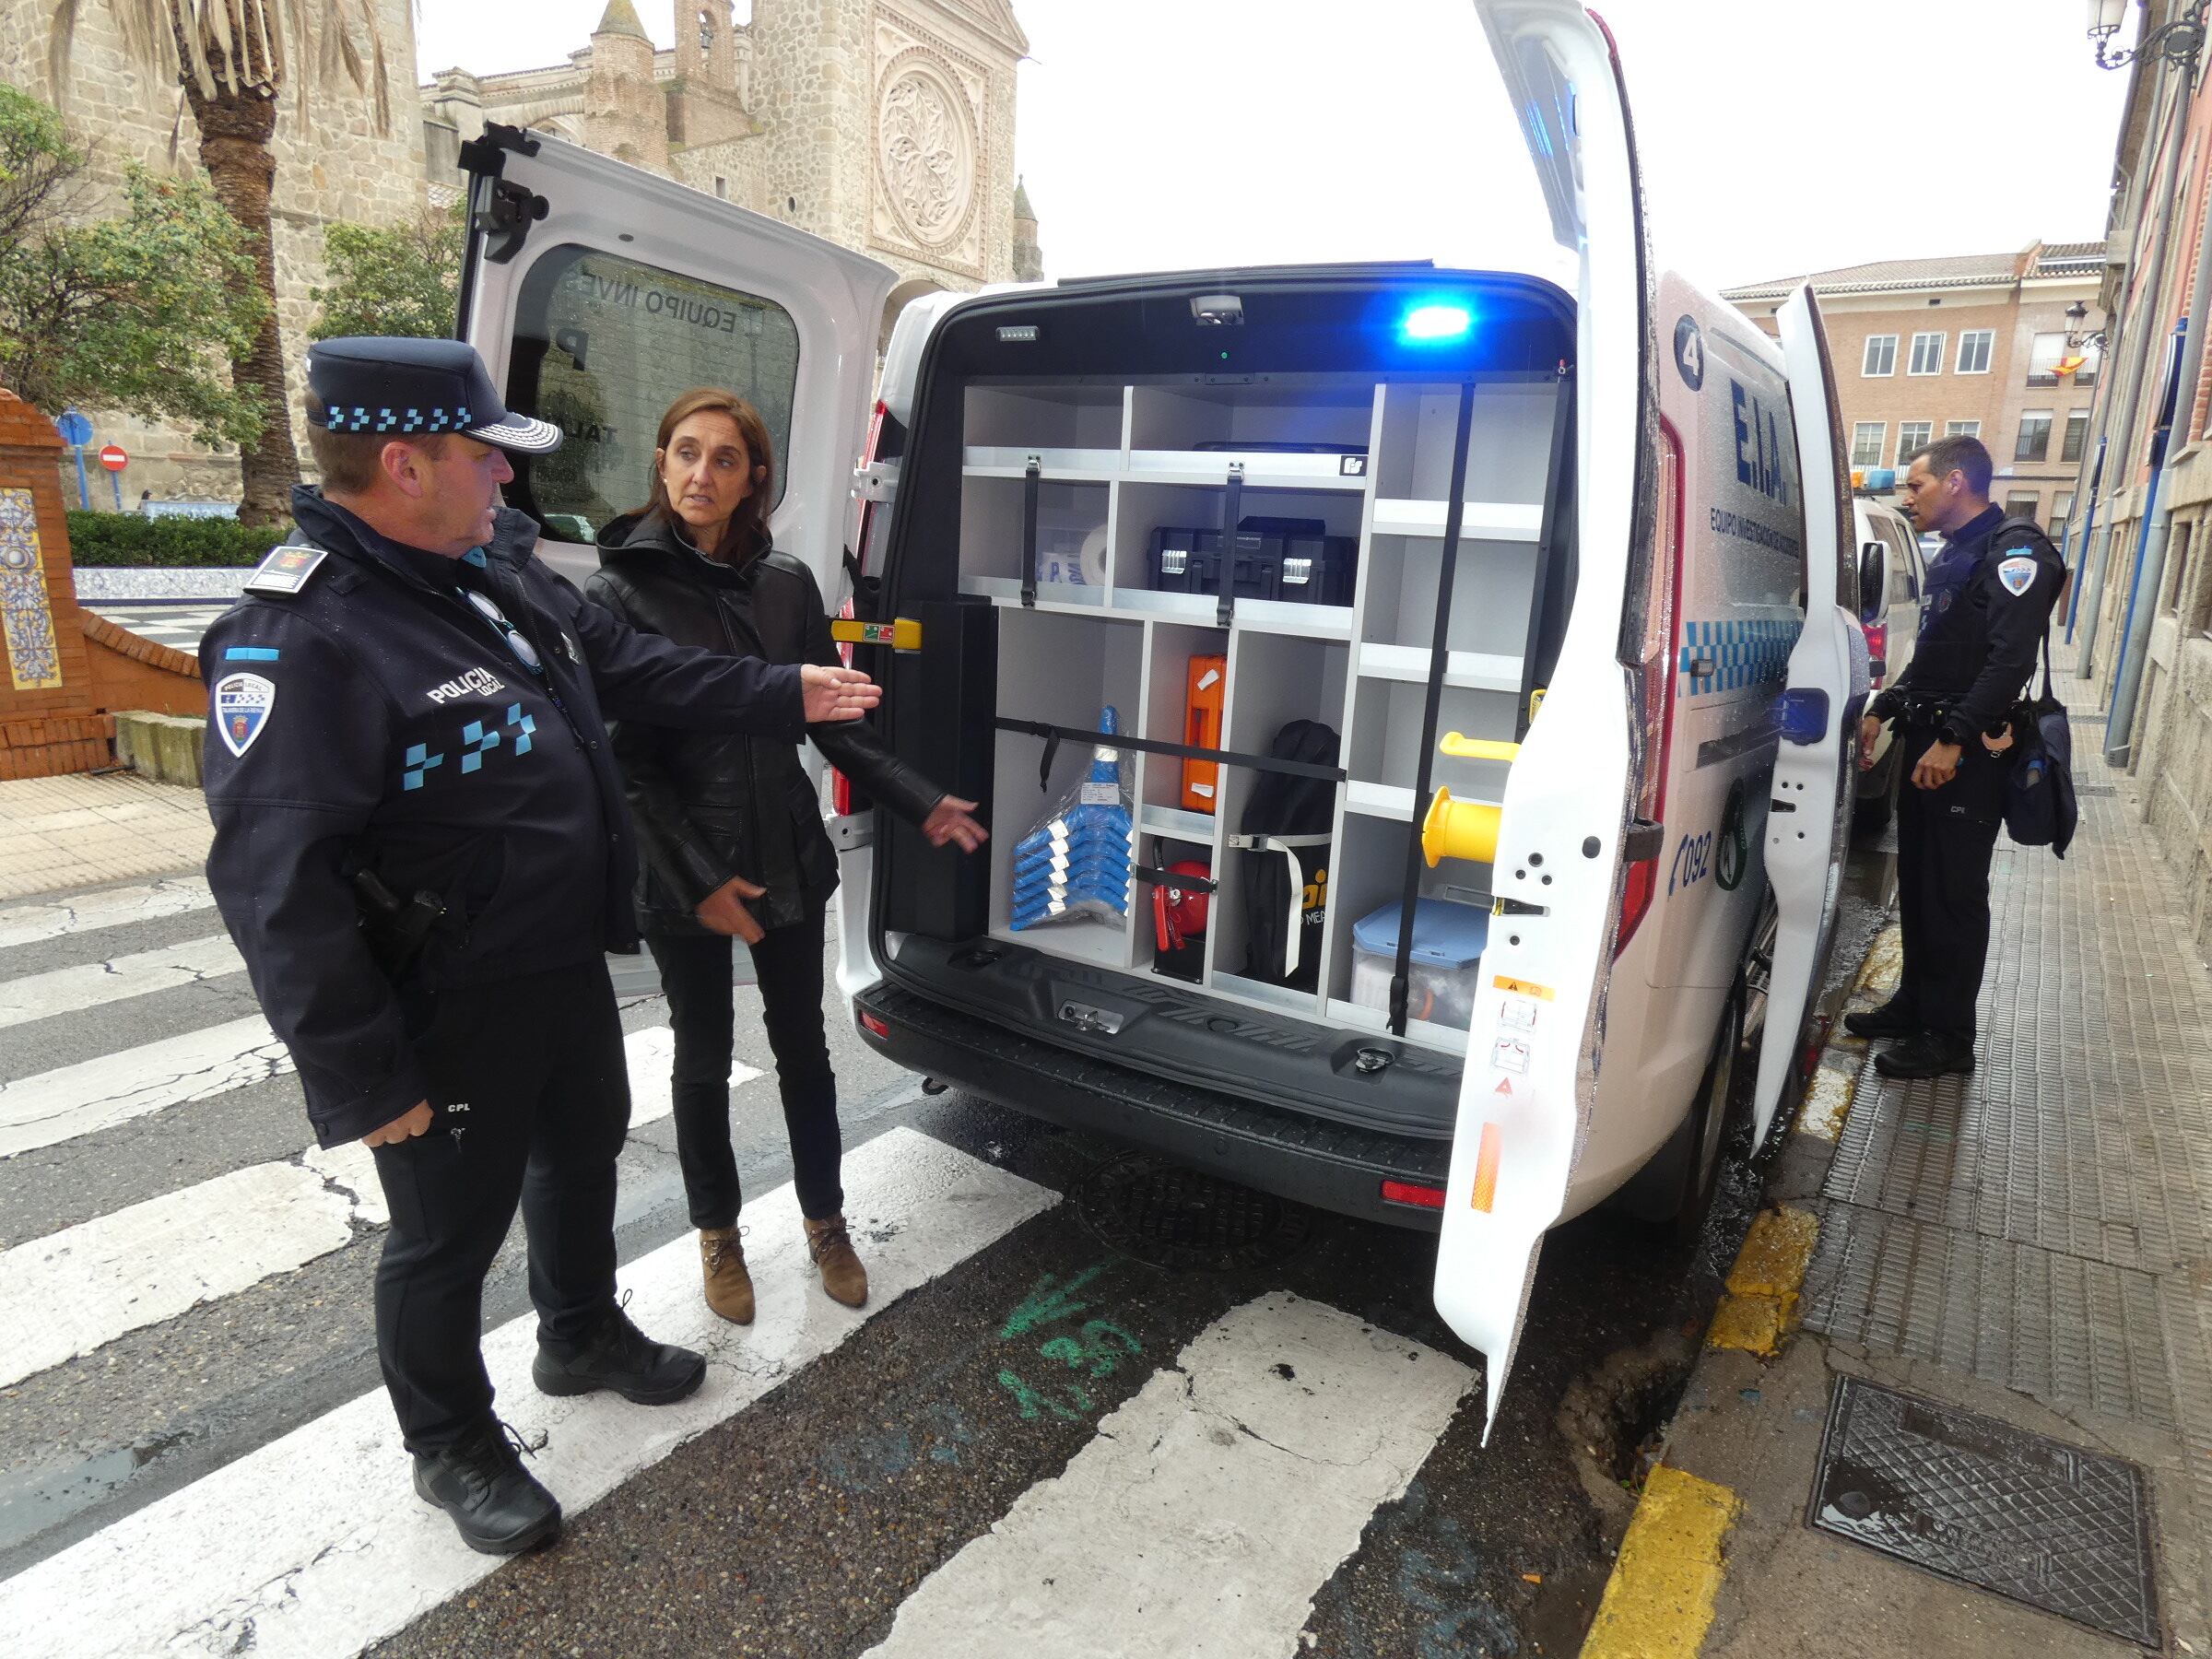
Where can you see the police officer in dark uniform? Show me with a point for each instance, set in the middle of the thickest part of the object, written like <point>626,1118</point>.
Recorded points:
<point>422,850</point>
<point>1988,601</point>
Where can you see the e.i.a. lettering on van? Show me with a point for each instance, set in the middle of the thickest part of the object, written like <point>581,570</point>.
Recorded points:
<point>1760,463</point>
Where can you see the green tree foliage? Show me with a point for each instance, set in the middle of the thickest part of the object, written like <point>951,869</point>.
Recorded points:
<point>137,312</point>
<point>397,279</point>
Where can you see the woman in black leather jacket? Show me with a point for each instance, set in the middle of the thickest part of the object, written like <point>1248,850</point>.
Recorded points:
<point>731,826</point>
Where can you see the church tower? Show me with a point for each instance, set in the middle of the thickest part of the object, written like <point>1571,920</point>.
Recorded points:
<point>1028,258</point>
<point>624,113</point>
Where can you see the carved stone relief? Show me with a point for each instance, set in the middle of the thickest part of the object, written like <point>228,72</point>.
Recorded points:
<point>931,163</point>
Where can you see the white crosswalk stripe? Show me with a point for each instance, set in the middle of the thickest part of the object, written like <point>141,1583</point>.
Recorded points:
<point>71,1291</point>
<point>316,1544</point>
<point>113,907</point>
<point>72,990</point>
<point>1167,1530</point>
<point>58,1105</point>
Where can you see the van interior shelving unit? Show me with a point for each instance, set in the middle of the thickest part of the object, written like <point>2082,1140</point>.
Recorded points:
<point>1114,463</point>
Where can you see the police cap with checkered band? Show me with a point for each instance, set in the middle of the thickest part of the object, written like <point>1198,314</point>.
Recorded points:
<point>384,384</point>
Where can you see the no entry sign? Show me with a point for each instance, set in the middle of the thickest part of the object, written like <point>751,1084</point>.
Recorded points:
<point>113,458</point>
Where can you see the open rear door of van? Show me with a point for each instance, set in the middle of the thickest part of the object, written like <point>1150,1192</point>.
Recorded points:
<point>1809,824</point>
<point>1539,1018</point>
<point>598,292</point>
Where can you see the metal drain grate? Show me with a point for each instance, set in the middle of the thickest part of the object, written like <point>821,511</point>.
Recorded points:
<point>1167,1216</point>
<point>2096,789</point>
<point>1983,1503</point>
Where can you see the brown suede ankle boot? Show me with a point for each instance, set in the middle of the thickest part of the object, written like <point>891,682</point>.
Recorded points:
<point>729,1286</point>
<point>831,1246</point>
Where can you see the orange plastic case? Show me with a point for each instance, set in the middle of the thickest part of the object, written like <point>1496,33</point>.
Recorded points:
<point>1206,681</point>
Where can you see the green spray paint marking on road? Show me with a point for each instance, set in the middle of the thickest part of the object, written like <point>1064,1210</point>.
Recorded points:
<point>1034,1405</point>
<point>1101,1349</point>
<point>1047,1302</point>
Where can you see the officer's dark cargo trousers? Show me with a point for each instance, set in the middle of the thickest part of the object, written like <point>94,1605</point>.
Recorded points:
<point>531,1096</point>
<point>1944,840</point>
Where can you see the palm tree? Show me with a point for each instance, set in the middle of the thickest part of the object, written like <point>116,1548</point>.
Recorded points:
<point>234,60</point>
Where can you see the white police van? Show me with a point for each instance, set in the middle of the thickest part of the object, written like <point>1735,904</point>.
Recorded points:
<point>1630,735</point>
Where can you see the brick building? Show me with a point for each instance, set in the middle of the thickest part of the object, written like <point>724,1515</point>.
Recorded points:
<point>1967,342</point>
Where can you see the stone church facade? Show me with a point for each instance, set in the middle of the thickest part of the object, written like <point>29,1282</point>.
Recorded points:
<point>885,125</point>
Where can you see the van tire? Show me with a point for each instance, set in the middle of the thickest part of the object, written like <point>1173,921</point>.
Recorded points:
<point>1870,813</point>
<point>1675,1189</point>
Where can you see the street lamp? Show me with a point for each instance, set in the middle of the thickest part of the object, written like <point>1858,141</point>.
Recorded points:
<point>2078,340</point>
<point>2178,42</point>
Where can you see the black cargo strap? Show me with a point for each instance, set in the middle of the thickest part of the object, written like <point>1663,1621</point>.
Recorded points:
<point>1232,515</point>
<point>1055,735</point>
<point>1167,878</point>
<point>1447,570</point>
<point>1029,533</point>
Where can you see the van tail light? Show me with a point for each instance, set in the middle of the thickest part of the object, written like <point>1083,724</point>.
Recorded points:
<point>1406,1192</point>
<point>874,1024</point>
<point>1877,649</point>
<point>1654,643</point>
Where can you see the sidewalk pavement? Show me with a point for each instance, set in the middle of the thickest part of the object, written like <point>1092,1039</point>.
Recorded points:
<point>2032,1244</point>
<point>81,830</point>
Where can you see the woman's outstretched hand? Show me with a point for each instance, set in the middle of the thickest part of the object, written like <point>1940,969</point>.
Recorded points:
<point>837,693</point>
<point>721,911</point>
<point>952,821</point>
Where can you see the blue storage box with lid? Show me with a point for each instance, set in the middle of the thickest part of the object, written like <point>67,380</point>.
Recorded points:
<point>1441,977</point>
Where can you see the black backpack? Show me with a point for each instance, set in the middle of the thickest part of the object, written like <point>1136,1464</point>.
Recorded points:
<point>1284,842</point>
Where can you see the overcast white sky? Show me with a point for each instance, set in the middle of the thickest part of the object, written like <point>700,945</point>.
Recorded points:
<point>1777,135</point>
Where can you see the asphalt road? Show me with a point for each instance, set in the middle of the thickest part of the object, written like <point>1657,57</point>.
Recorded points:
<point>1001,1436</point>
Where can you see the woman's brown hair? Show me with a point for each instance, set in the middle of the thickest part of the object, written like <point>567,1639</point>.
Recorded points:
<point>747,531</point>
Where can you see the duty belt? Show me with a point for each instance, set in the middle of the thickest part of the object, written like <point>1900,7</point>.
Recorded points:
<point>1925,712</point>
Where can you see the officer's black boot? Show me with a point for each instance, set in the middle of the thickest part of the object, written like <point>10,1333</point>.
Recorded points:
<point>1893,1018</point>
<point>1927,1056</point>
<point>618,1355</point>
<point>480,1481</point>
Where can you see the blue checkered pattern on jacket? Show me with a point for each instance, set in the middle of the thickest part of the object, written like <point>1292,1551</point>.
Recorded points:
<point>1741,654</point>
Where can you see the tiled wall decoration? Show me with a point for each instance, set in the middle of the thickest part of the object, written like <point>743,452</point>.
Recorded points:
<point>25,613</point>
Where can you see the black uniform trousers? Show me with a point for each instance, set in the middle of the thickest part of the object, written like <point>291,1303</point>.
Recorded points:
<point>1944,839</point>
<point>530,1093</point>
<point>695,976</point>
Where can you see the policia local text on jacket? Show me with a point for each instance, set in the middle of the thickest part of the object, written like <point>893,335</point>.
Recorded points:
<point>710,805</point>
<point>1989,598</point>
<point>381,716</point>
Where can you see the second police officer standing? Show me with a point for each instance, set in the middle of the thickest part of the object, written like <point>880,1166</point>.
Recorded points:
<point>421,849</point>
<point>1989,599</point>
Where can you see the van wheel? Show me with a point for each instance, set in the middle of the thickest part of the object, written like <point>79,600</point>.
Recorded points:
<point>1870,813</point>
<point>1712,1119</point>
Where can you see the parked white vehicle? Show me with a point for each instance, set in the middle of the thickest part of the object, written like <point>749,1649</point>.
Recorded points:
<point>1891,578</point>
<point>1604,504</point>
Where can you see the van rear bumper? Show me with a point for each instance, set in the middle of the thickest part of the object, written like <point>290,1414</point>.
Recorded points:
<point>1330,1166</point>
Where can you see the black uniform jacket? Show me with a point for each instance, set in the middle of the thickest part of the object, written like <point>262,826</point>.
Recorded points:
<point>1988,600</point>
<point>712,804</point>
<point>374,718</point>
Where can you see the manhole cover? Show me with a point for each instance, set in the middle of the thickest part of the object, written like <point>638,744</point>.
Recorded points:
<point>1167,1216</point>
<point>1984,1504</point>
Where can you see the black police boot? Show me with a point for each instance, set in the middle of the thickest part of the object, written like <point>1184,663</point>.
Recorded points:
<point>1891,1019</point>
<point>1927,1056</point>
<point>618,1355</point>
<point>480,1481</point>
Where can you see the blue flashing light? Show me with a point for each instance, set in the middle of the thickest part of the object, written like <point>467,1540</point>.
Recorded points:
<point>1434,323</point>
<point>1802,713</point>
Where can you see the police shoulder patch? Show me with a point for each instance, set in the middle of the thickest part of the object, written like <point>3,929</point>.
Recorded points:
<point>2017,575</point>
<point>286,570</point>
<point>240,706</point>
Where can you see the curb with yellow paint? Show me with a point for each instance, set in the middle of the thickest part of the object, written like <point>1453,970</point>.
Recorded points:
<point>1659,1602</point>
<point>1759,1309</point>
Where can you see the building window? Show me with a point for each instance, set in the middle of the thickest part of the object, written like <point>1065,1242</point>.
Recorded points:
<point>1912,435</point>
<point>1881,355</point>
<point>1927,353</point>
<point>2183,537</point>
<point>639,360</point>
<point>1867,443</point>
<point>1973,350</point>
<point>2076,441</point>
<point>1963,428</point>
<point>2044,354</point>
<point>2062,514</point>
<point>2092,360</point>
<point>2024,504</point>
<point>2035,436</point>
<point>722,186</point>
